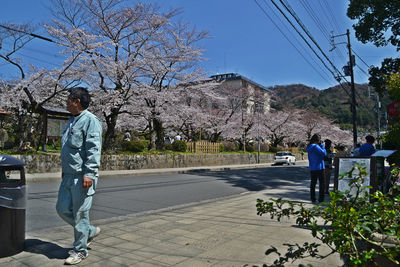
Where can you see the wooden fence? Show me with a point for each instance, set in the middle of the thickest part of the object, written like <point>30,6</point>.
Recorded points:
<point>203,147</point>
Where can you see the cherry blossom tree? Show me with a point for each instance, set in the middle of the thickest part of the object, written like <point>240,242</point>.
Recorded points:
<point>34,88</point>
<point>194,106</point>
<point>133,55</point>
<point>275,125</point>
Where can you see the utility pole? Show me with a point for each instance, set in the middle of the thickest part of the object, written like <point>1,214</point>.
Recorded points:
<point>353,91</point>
<point>258,131</point>
<point>377,109</point>
<point>378,113</point>
<point>348,71</point>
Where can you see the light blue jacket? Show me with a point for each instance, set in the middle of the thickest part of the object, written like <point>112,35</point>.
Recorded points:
<point>316,153</point>
<point>81,146</point>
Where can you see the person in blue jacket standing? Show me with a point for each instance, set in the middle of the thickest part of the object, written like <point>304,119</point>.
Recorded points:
<point>368,148</point>
<point>80,161</point>
<point>316,152</point>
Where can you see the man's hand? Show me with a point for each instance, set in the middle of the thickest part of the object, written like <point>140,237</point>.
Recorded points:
<point>87,182</point>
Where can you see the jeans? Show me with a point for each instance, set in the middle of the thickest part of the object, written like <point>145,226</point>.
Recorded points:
<point>73,205</point>
<point>319,174</point>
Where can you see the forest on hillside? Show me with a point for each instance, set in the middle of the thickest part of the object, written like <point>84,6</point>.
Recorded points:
<point>334,103</point>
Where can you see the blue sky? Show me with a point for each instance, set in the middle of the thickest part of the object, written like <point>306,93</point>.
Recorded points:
<point>244,40</point>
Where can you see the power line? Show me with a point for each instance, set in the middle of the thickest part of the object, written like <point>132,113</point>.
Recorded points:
<point>37,51</point>
<point>38,59</point>
<point>312,39</point>
<point>47,39</point>
<point>329,14</point>
<point>361,59</point>
<point>363,71</point>
<point>28,33</point>
<point>266,14</point>
<point>293,13</point>
<point>316,18</point>
<point>299,44</point>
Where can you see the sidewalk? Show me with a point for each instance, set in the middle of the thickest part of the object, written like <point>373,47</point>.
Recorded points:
<point>222,232</point>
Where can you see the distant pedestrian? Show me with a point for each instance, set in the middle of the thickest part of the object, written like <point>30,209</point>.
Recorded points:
<point>80,161</point>
<point>356,152</point>
<point>316,152</point>
<point>341,152</point>
<point>127,136</point>
<point>368,148</point>
<point>328,160</point>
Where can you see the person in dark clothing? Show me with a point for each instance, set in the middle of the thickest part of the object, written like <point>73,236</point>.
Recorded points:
<point>328,164</point>
<point>368,148</point>
<point>316,152</point>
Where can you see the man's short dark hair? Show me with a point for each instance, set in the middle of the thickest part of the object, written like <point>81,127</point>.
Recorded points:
<point>328,143</point>
<point>316,138</point>
<point>82,94</point>
<point>370,139</point>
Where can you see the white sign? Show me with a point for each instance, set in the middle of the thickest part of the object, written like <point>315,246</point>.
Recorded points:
<point>345,165</point>
<point>55,127</point>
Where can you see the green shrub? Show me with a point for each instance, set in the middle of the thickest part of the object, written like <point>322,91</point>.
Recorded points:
<point>273,149</point>
<point>168,147</point>
<point>391,141</point>
<point>221,147</point>
<point>263,147</point>
<point>133,146</point>
<point>179,145</point>
<point>250,148</point>
<point>229,146</point>
<point>360,227</point>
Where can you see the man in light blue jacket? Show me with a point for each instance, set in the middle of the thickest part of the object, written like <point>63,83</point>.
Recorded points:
<point>80,161</point>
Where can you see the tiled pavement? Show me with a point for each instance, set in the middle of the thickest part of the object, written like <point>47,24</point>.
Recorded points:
<point>222,232</point>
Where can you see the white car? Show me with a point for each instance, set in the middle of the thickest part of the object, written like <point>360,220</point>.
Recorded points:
<point>284,157</point>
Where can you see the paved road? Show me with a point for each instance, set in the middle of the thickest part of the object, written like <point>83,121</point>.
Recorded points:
<point>138,194</point>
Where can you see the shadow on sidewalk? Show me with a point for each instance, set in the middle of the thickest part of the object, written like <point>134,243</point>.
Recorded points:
<point>292,182</point>
<point>48,249</point>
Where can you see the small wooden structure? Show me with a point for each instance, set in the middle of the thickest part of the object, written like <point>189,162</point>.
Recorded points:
<point>203,147</point>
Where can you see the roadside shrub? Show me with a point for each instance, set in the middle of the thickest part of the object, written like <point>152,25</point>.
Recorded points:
<point>179,145</point>
<point>230,146</point>
<point>361,227</point>
<point>263,147</point>
<point>250,148</point>
<point>168,147</point>
<point>145,142</point>
<point>273,149</point>
<point>133,146</point>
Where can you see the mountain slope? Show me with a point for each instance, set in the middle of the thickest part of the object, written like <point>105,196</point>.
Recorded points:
<point>333,102</point>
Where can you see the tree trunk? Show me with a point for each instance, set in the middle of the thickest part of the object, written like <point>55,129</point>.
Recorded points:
<point>244,141</point>
<point>24,126</point>
<point>160,135</point>
<point>156,134</point>
<point>109,137</point>
<point>153,135</point>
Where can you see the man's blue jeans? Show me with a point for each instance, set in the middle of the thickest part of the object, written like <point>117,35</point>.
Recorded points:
<point>73,205</point>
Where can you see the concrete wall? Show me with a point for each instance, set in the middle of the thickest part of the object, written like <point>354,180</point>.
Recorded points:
<point>51,163</point>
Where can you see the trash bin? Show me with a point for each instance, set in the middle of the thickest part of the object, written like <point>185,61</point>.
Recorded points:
<point>12,206</point>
